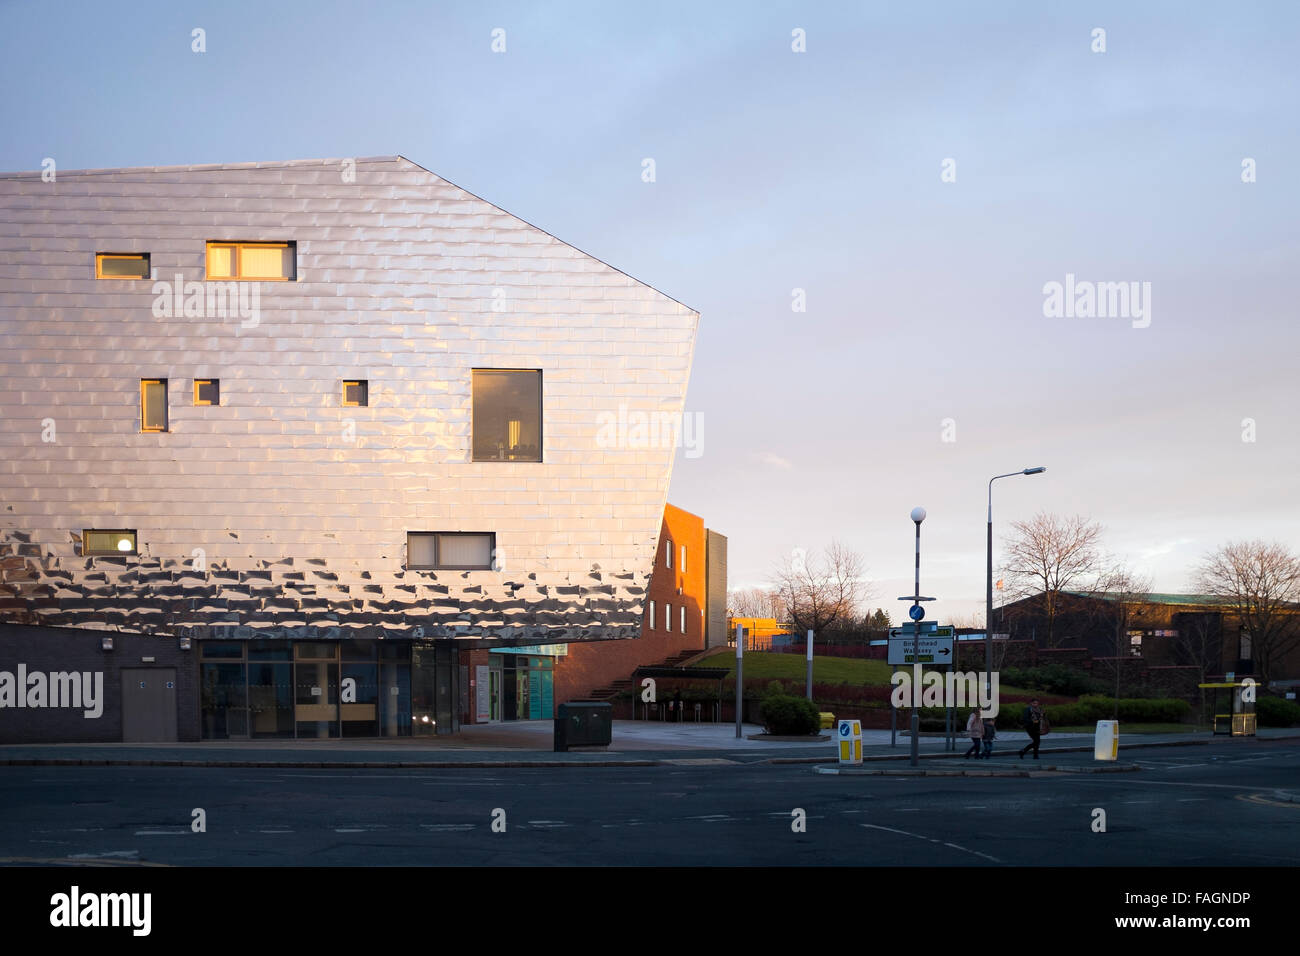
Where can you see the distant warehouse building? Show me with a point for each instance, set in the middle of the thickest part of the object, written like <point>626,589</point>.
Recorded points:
<point>286,444</point>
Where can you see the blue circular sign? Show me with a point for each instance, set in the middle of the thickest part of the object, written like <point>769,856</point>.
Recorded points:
<point>916,613</point>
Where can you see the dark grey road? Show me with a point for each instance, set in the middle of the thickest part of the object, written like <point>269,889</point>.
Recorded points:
<point>1193,806</point>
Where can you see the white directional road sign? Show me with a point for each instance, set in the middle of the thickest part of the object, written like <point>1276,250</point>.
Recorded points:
<point>931,648</point>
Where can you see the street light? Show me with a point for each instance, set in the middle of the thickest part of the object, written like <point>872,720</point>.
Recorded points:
<point>917,612</point>
<point>988,609</point>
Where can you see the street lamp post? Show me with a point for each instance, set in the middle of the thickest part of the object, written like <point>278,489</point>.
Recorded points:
<point>917,612</point>
<point>988,608</point>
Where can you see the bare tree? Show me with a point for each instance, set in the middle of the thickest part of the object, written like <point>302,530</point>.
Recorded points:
<point>1261,581</point>
<point>754,602</point>
<point>819,590</point>
<point>1198,644</point>
<point>1120,589</point>
<point>1049,555</point>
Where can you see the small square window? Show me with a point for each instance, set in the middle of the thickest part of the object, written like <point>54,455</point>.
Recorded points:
<point>356,393</point>
<point>207,391</point>
<point>121,265</point>
<point>449,551</point>
<point>153,404</point>
<point>94,542</point>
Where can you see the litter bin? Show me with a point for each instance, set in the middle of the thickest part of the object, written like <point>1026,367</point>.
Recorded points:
<point>583,723</point>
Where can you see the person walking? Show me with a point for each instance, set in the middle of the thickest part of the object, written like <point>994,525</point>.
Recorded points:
<point>990,734</point>
<point>1032,721</point>
<point>974,730</point>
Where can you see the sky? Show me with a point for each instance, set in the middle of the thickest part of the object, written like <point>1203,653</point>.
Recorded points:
<point>921,172</point>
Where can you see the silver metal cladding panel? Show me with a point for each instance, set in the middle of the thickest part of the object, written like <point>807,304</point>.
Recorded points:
<point>282,512</point>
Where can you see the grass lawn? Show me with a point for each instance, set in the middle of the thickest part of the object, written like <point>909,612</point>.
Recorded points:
<point>792,668</point>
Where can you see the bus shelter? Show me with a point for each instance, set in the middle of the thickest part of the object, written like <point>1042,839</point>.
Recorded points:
<point>1233,716</point>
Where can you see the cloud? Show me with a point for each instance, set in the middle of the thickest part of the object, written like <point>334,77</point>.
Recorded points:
<point>775,460</point>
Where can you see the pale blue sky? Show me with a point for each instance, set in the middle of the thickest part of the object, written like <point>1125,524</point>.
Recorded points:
<point>820,171</point>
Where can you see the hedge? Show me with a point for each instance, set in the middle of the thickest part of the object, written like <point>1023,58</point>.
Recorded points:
<point>1276,712</point>
<point>789,716</point>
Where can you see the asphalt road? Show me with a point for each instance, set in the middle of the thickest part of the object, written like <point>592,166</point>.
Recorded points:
<point>1188,806</point>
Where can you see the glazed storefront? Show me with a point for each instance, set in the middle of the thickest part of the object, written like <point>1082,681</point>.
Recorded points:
<point>319,689</point>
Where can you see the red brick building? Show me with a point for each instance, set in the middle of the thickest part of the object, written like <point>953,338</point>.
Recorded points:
<point>685,600</point>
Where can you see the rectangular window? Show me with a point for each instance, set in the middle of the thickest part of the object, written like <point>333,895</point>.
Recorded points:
<point>507,415</point>
<point>107,542</point>
<point>207,391</point>
<point>153,404</point>
<point>668,553</point>
<point>265,261</point>
<point>668,618</point>
<point>356,393</point>
<point>1135,643</point>
<point>449,551</point>
<point>121,265</point>
<point>683,609</point>
<point>1246,651</point>
<point>652,615</point>
<point>683,567</point>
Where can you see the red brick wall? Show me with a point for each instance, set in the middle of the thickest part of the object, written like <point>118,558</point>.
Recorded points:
<point>598,664</point>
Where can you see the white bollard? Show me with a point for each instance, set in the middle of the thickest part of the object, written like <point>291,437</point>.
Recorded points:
<point>1107,743</point>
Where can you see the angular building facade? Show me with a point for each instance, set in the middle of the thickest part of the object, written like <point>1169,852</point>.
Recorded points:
<point>281,440</point>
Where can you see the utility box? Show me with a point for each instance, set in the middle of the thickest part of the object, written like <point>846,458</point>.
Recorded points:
<point>849,738</point>
<point>1106,746</point>
<point>583,723</point>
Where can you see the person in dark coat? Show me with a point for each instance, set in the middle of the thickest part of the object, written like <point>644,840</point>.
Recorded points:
<point>990,734</point>
<point>1032,720</point>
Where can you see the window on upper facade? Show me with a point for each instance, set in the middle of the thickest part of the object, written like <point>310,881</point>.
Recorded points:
<point>153,404</point>
<point>668,553</point>
<point>652,615</point>
<point>267,261</point>
<point>96,542</point>
<point>356,393</point>
<point>121,265</point>
<point>449,551</point>
<point>207,391</point>
<point>1135,643</point>
<point>683,609</point>
<point>668,618</point>
<point>507,415</point>
<point>683,562</point>
<point>1245,651</point>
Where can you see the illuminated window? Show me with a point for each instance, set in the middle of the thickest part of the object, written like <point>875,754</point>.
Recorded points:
<point>668,618</point>
<point>449,551</point>
<point>267,261</point>
<point>207,391</point>
<point>153,404</point>
<point>652,615</point>
<point>121,265</point>
<point>683,562</point>
<point>668,553</point>
<point>356,393</point>
<point>507,415</point>
<point>107,542</point>
<point>683,608</point>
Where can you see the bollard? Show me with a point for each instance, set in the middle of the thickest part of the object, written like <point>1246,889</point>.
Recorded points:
<point>850,741</point>
<point>1107,742</point>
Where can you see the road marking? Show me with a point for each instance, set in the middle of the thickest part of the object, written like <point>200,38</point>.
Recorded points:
<point>1261,799</point>
<point>872,826</point>
<point>349,830</point>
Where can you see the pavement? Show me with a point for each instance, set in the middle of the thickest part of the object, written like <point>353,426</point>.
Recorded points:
<point>635,743</point>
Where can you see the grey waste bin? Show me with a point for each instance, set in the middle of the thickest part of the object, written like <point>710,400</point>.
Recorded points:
<point>583,723</point>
